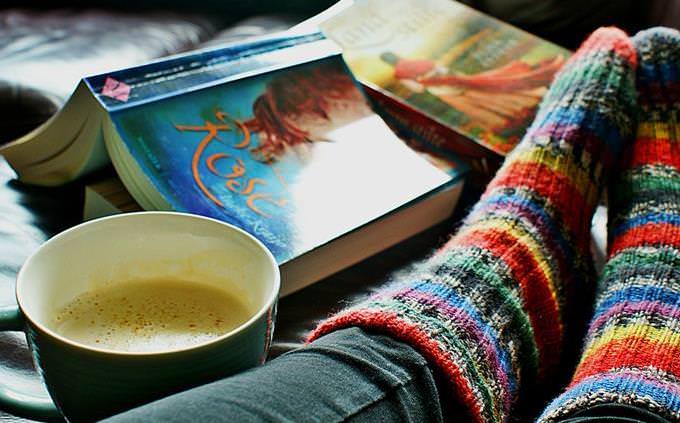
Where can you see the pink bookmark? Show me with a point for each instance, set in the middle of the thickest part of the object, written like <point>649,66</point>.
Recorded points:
<point>116,89</point>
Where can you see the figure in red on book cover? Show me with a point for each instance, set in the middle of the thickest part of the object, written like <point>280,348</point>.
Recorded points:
<point>496,99</point>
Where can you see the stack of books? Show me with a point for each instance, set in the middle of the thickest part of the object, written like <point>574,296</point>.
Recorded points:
<point>275,135</point>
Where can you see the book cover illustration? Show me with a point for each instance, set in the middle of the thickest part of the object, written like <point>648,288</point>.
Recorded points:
<point>294,156</point>
<point>468,71</point>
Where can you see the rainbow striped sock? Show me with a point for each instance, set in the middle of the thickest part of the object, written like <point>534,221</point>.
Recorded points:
<point>491,309</point>
<point>632,352</point>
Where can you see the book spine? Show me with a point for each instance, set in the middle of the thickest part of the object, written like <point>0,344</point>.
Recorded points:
<point>419,129</point>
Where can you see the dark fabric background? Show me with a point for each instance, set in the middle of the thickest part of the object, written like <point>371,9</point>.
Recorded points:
<point>563,21</point>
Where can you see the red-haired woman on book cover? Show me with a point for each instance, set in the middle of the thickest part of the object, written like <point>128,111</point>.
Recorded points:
<point>300,107</point>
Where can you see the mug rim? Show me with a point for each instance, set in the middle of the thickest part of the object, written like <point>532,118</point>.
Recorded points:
<point>267,305</point>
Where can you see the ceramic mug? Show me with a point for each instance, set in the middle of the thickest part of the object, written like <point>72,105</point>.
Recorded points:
<point>86,383</point>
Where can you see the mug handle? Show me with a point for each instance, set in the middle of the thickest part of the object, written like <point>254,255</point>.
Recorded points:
<point>23,404</point>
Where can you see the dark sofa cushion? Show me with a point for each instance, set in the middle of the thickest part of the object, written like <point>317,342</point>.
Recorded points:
<point>43,55</point>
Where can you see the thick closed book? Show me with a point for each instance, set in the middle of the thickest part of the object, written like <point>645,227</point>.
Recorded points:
<point>272,136</point>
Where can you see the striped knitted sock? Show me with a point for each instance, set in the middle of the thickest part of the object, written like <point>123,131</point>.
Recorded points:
<point>490,309</point>
<point>632,352</point>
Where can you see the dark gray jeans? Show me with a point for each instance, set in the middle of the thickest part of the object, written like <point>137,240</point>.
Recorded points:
<point>346,376</point>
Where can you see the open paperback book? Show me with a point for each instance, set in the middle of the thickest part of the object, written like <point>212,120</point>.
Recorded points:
<point>271,135</point>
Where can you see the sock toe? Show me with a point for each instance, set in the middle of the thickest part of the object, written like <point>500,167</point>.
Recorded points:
<point>658,78</point>
<point>592,98</point>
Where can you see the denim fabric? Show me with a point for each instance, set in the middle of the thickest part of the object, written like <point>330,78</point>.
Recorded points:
<point>615,413</point>
<point>346,376</point>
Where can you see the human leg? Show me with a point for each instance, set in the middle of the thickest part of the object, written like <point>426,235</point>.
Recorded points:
<point>348,376</point>
<point>492,309</point>
<point>632,352</point>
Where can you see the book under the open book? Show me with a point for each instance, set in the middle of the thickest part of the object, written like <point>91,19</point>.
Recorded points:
<point>271,135</point>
